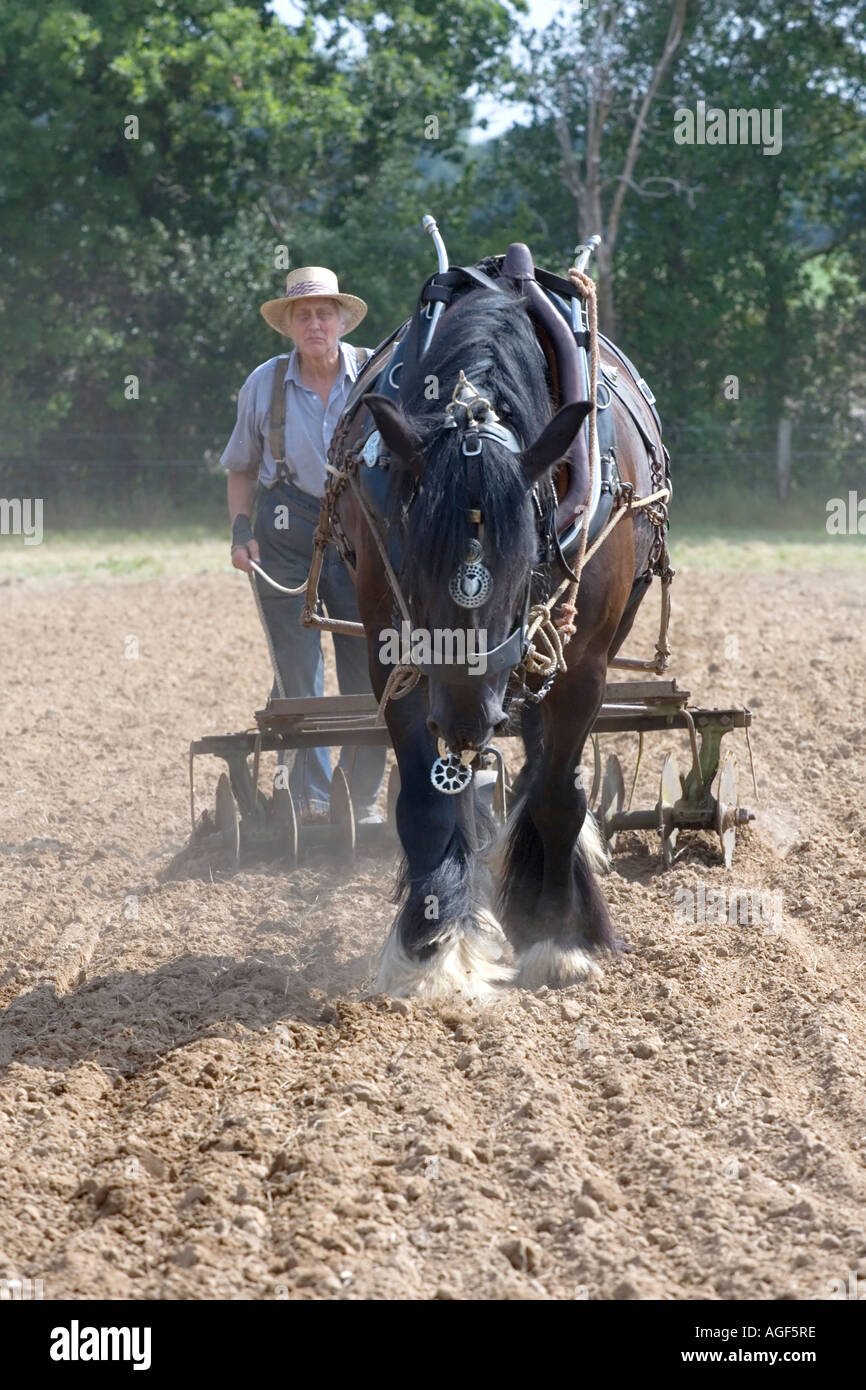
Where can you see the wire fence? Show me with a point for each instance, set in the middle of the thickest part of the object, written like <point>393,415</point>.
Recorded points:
<point>120,471</point>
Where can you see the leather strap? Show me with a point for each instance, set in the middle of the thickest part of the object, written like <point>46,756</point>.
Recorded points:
<point>565,288</point>
<point>500,658</point>
<point>453,278</point>
<point>277,417</point>
<point>441,286</point>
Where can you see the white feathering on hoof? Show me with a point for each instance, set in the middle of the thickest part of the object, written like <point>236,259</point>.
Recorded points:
<point>545,963</point>
<point>466,963</point>
<point>592,846</point>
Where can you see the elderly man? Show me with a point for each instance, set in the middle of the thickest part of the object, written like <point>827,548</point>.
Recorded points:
<point>287,410</point>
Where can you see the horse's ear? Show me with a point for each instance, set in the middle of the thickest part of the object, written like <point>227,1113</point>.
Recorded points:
<point>399,437</point>
<point>554,440</point>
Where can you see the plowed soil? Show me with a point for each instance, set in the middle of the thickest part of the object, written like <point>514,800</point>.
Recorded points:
<point>200,1097</point>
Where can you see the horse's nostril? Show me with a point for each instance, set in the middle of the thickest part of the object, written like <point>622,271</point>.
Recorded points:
<point>434,728</point>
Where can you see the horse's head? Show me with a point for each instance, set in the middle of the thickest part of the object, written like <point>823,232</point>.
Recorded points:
<point>468,455</point>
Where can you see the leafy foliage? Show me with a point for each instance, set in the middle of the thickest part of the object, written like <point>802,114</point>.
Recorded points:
<point>144,246</point>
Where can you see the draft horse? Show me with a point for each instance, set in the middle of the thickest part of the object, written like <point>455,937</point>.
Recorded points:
<point>476,484</point>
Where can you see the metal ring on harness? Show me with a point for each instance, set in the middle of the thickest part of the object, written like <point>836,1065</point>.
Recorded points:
<point>598,404</point>
<point>396,367</point>
<point>535,697</point>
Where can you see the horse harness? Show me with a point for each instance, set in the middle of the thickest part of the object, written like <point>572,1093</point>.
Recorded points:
<point>365,469</point>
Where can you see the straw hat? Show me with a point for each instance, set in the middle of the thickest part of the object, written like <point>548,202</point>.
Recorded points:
<point>312,282</point>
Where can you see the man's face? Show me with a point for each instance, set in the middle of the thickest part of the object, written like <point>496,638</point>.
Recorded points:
<point>315,327</point>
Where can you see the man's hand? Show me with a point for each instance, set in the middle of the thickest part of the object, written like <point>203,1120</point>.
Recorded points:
<point>242,554</point>
<point>245,547</point>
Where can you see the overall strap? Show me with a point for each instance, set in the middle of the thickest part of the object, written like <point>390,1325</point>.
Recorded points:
<point>277,416</point>
<point>277,432</point>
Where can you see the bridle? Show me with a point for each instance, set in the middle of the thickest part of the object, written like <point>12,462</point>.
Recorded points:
<point>471,585</point>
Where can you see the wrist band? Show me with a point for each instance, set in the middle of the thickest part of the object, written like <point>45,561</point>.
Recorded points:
<point>242,531</point>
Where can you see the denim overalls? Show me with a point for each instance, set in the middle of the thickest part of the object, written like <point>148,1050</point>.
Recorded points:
<point>286,551</point>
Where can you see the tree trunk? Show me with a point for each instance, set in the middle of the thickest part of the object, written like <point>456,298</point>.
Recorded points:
<point>783,460</point>
<point>777,338</point>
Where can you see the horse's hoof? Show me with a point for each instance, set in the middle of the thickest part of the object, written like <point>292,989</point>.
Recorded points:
<point>466,963</point>
<point>547,963</point>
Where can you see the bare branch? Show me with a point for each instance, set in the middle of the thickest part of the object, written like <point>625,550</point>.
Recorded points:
<point>570,162</point>
<point>674,186</point>
<point>675,33</point>
<point>263,205</point>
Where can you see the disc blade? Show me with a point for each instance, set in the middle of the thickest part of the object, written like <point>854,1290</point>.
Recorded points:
<point>612,798</point>
<point>342,814</point>
<point>669,793</point>
<point>728,782</point>
<point>283,810</point>
<point>596,772</point>
<point>669,787</point>
<point>227,820</point>
<point>727,802</point>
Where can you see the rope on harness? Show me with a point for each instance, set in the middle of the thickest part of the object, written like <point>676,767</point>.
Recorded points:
<point>401,680</point>
<point>551,657</point>
<point>546,638</point>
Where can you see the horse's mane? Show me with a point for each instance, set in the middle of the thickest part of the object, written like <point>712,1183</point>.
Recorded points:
<point>488,336</point>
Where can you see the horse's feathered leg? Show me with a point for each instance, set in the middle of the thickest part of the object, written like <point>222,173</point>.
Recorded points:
<point>444,940</point>
<point>532,733</point>
<point>554,912</point>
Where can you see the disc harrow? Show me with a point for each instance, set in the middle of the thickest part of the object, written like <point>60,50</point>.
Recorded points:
<point>249,820</point>
<point>704,798</point>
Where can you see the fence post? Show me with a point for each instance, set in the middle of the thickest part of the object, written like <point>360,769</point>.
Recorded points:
<point>783,460</point>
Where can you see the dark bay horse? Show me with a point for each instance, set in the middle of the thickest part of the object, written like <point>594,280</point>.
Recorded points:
<point>443,496</point>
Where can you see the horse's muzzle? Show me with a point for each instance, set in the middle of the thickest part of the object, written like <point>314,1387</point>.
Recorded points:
<point>462,728</point>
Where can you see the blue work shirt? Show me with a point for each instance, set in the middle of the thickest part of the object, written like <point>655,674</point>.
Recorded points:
<point>309,424</point>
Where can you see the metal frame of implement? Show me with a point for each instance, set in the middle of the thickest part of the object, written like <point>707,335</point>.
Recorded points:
<point>245,817</point>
